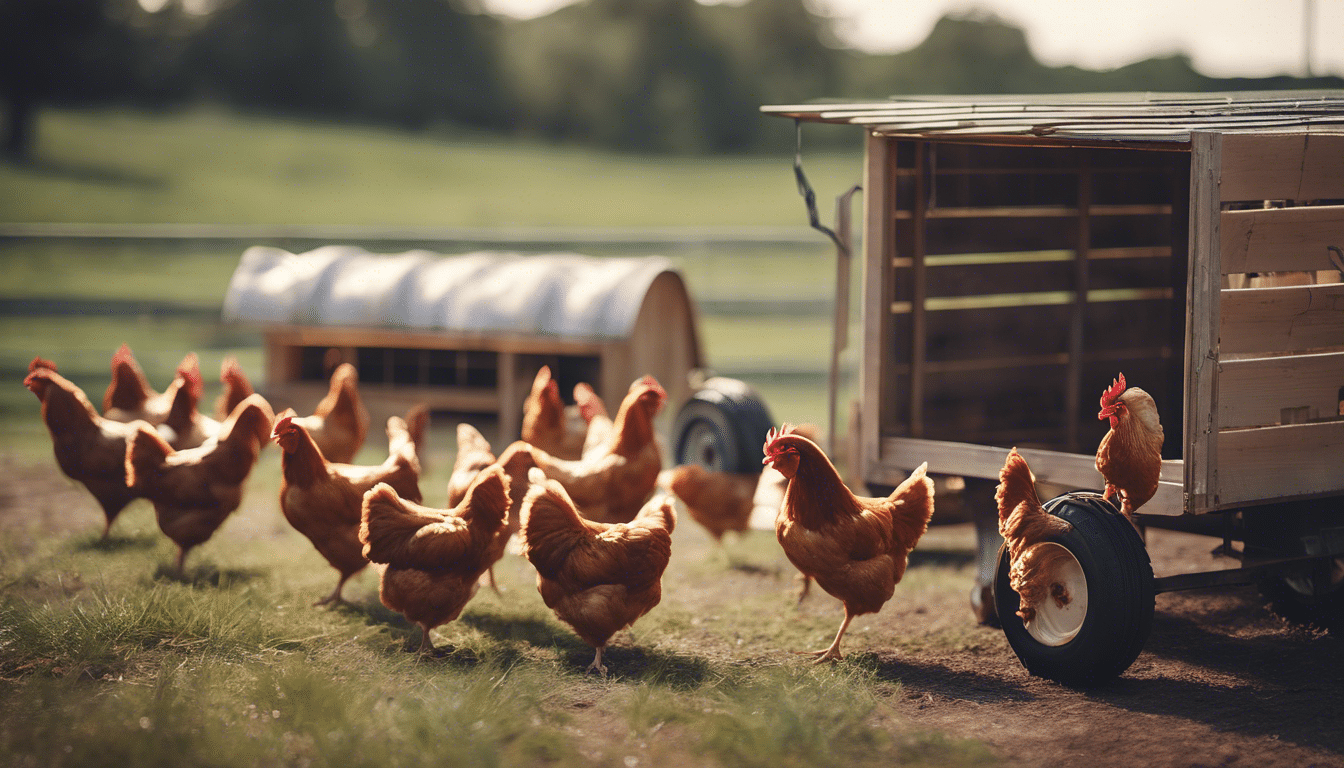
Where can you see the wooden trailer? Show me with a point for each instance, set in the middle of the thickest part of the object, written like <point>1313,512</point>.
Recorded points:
<point>464,333</point>
<point>1020,252</point>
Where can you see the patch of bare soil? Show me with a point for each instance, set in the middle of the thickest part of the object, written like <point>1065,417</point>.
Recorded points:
<point>1221,680</point>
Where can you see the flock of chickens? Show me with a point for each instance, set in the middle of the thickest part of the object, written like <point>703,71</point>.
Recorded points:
<point>581,489</point>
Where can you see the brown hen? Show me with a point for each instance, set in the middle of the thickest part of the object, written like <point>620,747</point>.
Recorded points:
<point>194,490</point>
<point>431,560</point>
<point>89,448</point>
<point>1130,455</point>
<point>598,578</point>
<point>1025,525</point>
<point>323,499</point>
<point>855,547</point>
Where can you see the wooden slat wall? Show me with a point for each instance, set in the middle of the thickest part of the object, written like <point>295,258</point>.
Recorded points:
<point>1278,462</point>
<point>1298,166</point>
<point>1281,239</point>
<point>1288,319</point>
<point>1280,351</point>
<point>1258,391</point>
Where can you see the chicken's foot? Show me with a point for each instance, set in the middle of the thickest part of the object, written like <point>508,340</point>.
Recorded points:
<point>832,653</point>
<point>335,597</point>
<point>426,645</point>
<point>597,663</point>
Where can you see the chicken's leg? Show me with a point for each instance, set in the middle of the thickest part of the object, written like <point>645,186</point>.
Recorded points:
<point>806,588</point>
<point>832,653</point>
<point>489,579</point>
<point>335,596</point>
<point>597,663</point>
<point>426,645</point>
<point>178,570</point>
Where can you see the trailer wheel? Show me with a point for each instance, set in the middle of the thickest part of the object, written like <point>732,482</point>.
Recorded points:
<point>722,427</point>
<point>1105,568</point>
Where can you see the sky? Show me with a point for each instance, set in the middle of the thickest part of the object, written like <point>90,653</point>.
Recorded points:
<point>1224,38</point>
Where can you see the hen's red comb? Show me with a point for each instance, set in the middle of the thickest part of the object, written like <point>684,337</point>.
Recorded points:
<point>1116,389</point>
<point>773,435</point>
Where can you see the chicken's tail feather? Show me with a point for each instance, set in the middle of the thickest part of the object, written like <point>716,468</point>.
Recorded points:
<point>1017,484</point>
<point>388,525</point>
<point>549,521</point>
<point>914,507</point>
<point>145,453</point>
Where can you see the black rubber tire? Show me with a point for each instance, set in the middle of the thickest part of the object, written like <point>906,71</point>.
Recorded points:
<point>722,427</point>
<point>1119,592</point>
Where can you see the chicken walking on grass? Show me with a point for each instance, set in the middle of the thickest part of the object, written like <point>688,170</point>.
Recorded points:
<point>323,499</point>
<point>195,490</point>
<point>89,448</point>
<point>855,547</point>
<point>598,578</point>
<point>430,561</point>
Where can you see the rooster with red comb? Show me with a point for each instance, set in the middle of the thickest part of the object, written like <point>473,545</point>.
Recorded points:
<point>1130,455</point>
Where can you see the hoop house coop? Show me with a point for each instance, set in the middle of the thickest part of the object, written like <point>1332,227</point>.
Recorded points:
<point>1020,252</point>
<point>464,333</point>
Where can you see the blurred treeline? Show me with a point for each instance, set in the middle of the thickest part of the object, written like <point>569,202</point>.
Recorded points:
<point>637,75</point>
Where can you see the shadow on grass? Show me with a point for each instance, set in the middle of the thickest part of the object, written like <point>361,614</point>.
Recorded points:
<point>940,680</point>
<point>115,543</point>
<point>208,575</point>
<point>644,665</point>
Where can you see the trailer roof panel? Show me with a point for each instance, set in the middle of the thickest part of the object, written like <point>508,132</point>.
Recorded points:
<point>1164,117</point>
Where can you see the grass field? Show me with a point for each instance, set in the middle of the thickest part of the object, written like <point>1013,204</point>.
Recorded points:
<point>104,660</point>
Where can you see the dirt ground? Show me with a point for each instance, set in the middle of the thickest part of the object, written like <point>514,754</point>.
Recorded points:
<point>1221,680</point>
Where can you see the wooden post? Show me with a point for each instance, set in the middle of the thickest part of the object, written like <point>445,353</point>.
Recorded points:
<point>840,333</point>
<point>878,204</point>
<point>1203,295</point>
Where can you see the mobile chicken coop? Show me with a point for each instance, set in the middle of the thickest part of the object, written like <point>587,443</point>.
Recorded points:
<point>1020,252</point>
<point>464,333</point>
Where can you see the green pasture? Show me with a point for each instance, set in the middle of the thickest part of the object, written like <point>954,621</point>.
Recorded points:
<point>105,660</point>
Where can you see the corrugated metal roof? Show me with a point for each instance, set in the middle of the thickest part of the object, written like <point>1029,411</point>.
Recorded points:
<point>1165,117</point>
<point>562,294</point>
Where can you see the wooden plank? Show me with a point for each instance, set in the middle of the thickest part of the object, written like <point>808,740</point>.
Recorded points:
<point>1078,317</point>
<point>1074,470</point>
<point>879,250</point>
<point>1256,391</point>
<point>919,281</point>
<point>1272,462</point>
<point>1288,319</point>
<point>1297,166</point>
<point>1200,433</point>
<point>1281,239</point>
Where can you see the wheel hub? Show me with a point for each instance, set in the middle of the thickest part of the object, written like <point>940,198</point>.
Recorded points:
<point>1059,618</point>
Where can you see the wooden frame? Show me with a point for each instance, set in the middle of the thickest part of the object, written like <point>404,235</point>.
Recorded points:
<point>1260,371</point>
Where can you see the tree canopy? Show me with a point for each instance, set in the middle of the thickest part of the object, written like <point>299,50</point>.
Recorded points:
<point>639,75</point>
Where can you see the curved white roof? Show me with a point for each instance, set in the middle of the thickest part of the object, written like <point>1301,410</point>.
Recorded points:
<point>563,294</point>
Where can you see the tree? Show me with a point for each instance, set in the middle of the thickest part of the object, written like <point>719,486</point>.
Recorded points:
<point>41,57</point>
